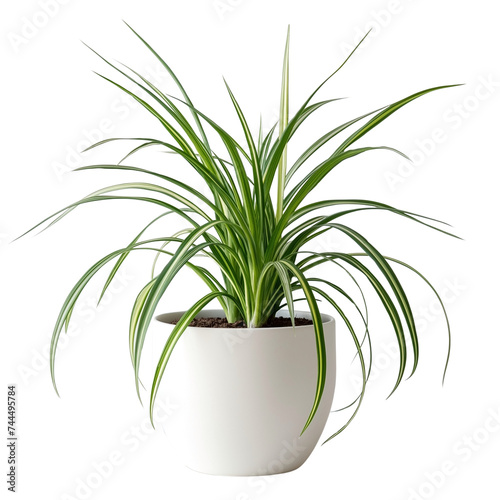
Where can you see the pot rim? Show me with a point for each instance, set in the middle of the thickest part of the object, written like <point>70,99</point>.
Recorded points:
<point>214,313</point>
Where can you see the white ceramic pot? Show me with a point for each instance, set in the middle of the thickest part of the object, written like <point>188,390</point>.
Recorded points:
<point>247,394</point>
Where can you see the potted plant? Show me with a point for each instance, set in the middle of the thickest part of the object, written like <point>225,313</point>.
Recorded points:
<point>258,407</point>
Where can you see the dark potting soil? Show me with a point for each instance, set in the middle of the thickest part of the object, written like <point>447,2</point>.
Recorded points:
<point>222,323</point>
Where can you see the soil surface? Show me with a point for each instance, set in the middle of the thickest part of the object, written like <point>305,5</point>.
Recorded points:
<point>222,323</point>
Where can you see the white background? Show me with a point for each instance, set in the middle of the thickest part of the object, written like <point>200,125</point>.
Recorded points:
<point>426,441</point>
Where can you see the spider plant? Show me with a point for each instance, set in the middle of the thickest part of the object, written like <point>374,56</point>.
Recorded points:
<point>254,225</point>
